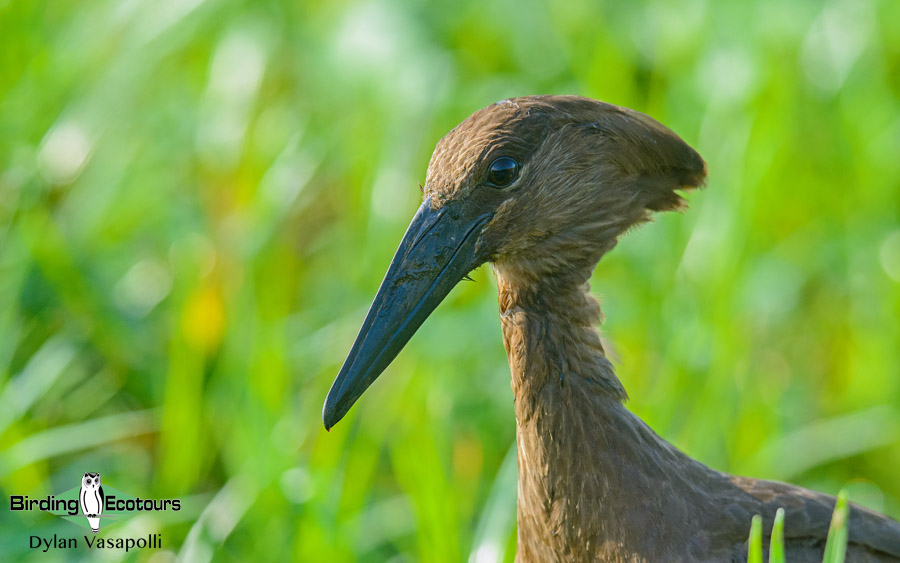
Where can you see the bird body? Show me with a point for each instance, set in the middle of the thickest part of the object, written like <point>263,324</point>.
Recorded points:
<point>542,187</point>
<point>597,484</point>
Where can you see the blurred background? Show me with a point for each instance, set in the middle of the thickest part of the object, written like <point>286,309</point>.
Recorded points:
<point>198,200</point>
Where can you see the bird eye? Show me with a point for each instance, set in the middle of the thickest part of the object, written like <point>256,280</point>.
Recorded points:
<point>503,172</point>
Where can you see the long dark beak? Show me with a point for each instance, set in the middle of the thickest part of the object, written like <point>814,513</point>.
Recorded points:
<point>436,252</point>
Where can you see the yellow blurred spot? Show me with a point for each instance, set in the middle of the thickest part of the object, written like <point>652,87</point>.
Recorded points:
<point>467,457</point>
<point>203,319</point>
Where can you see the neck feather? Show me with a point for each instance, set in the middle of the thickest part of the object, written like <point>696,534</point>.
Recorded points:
<point>588,468</point>
<point>549,330</point>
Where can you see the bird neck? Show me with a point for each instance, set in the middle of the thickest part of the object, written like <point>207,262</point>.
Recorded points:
<point>549,330</point>
<point>585,461</point>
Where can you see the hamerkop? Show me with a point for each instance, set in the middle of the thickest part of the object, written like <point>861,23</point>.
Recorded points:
<point>542,187</point>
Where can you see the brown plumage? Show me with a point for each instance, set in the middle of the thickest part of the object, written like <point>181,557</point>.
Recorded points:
<point>542,187</point>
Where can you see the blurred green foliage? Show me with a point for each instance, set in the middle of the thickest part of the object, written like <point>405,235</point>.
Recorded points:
<point>198,200</point>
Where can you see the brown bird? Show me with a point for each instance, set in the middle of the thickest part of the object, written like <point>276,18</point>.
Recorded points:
<point>542,187</point>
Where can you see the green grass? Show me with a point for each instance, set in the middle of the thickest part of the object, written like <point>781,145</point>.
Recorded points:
<point>835,546</point>
<point>199,199</point>
<point>776,541</point>
<point>755,547</point>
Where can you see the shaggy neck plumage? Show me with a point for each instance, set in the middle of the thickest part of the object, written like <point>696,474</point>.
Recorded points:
<point>580,452</point>
<point>553,319</point>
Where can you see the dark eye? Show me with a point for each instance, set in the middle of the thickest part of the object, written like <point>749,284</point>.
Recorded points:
<point>503,172</point>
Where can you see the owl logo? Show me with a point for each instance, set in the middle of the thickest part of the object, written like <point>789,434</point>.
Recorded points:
<point>91,497</point>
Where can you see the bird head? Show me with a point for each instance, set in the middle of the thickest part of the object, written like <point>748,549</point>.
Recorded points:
<point>540,186</point>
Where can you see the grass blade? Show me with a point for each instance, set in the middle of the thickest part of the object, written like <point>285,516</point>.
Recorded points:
<point>776,544</point>
<point>498,518</point>
<point>836,546</point>
<point>755,550</point>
